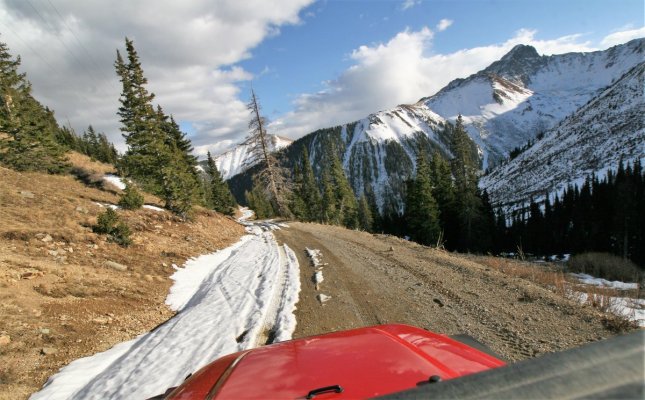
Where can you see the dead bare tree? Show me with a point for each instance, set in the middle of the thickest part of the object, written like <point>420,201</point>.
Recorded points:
<point>270,174</point>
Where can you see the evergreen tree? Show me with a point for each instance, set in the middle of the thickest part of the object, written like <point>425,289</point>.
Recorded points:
<point>339,203</point>
<point>421,210</point>
<point>221,198</point>
<point>131,198</point>
<point>147,154</point>
<point>31,129</point>
<point>306,200</point>
<point>158,154</point>
<point>365,220</point>
<point>444,193</point>
<point>257,201</point>
<point>468,203</point>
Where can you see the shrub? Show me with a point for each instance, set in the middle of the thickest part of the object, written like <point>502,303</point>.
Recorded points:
<point>131,198</point>
<point>605,265</point>
<point>118,232</point>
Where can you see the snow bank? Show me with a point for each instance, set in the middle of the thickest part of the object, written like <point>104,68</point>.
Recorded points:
<point>247,213</point>
<point>590,280</point>
<point>226,301</point>
<point>153,208</point>
<point>115,180</point>
<point>632,309</point>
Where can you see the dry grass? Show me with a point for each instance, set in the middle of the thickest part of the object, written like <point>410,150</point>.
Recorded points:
<point>53,276</point>
<point>601,298</point>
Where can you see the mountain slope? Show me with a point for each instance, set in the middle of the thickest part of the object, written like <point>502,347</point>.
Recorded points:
<point>503,106</point>
<point>595,138</point>
<point>235,161</point>
<point>523,94</point>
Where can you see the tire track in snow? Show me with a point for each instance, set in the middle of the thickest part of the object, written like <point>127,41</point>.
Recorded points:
<point>244,289</point>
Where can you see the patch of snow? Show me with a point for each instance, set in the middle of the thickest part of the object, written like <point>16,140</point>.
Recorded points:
<point>632,309</point>
<point>247,213</point>
<point>323,298</point>
<point>154,208</point>
<point>220,297</point>
<point>115,180</point>
<point>104,205</point>
<point>590,280</point>
<point>318,277</point>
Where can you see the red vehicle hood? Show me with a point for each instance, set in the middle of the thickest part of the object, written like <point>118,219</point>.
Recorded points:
<point>365,362</point>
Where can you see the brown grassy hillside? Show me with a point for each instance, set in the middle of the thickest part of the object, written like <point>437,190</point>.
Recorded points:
<point>59,298</point>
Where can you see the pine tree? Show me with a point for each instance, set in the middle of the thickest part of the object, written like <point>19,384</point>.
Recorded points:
<point>444,193</point>
<point>468,203</point>
<point>158,154</point>
<point>339,203</point>
<point>147,153</point>
<point>365,220</point>
<point>220,194</point>
<point>421,210</point>
<point>31,129</point>
<point>306,200</point>
<point>270,175</point>
<point>131,198</point>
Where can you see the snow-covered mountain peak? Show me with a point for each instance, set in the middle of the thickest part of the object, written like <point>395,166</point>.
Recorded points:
<point>524,94</point>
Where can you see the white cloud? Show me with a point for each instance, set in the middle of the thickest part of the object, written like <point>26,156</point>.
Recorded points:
<point>409,4</point>
<point>186,49</point>
<point>401,71</point>
<point>444,24</point>
<point>622,37</point>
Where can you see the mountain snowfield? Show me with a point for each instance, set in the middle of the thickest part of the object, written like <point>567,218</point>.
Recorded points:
<point>610,128</point>
<point>235,161</point>
<point>512,101</point>
<point>524,94</point>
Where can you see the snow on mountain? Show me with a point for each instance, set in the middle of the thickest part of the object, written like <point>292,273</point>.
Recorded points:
<point>378,152</point>
<point>524,94</point>
<point>235,161</point>
<point>503,107</point>
<point>594,139</point>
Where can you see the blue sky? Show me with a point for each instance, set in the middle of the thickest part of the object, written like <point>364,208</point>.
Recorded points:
<point>313,63</point>
<point>303,56</point>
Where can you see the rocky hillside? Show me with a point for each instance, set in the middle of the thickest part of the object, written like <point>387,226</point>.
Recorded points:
<point>594,139</point>
<point>67,292</point>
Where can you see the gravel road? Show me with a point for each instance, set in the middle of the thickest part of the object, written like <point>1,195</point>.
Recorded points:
<point>375,279</point>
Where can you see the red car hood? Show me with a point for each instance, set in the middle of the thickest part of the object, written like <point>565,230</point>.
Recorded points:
<point>364,362</point>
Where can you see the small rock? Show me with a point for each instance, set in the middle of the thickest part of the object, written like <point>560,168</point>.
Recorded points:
<point>44,331</point>
<point>82,209</point>
<point>53,253</point>
<point>163,264</point>
<point>148,278</point>
<point>438,302</point>
<point>116,266</point>
<point>70,249</point>
<point>5,340</point>
<point>102,320</point>
<point>47,239</point>
<point>48,351</point>
<point>27,194</point>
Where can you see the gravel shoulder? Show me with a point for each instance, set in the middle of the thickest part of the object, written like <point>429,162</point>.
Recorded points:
<point>375,279</point>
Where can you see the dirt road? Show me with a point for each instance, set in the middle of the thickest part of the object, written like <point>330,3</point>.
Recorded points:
<point>374,279</point>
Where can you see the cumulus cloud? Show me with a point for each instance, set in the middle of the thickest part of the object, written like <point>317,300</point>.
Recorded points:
<point>401,71</point>
<point>622,37</point>
<point>187,48</point>
<point>444,24</point>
